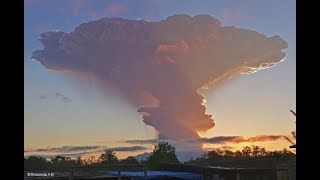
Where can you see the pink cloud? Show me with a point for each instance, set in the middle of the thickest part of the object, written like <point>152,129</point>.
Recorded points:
<point>121,57</point>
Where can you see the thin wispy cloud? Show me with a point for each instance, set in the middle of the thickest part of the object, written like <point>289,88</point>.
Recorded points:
<point>63,98</point>
<point>65,149</point>
<point>216,140</point>
<point>59,96</point>
<point>131,148</point>
<point>230,148</point>
<point>238,139</point>
<point>72,155</point>
<point>73,151</point>
<point>144,141</point>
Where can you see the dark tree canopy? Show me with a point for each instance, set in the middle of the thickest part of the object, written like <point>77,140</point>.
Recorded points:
<point>35,163</point>
<point>162,153</point>
<point>108,157</point>
<point>129,160</point>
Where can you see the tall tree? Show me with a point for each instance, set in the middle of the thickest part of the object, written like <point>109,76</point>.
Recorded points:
<point>258,152</point>
<point>246,151</point>
<point>79,161</point>
<point>91,160</point>
<point>293,133</point>
<point>163,152</point>
<point>213,156</point>
<point>108,157</point>
<point>62,163</point>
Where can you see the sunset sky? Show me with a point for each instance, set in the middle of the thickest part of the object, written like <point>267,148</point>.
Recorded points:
<point>65,115</point>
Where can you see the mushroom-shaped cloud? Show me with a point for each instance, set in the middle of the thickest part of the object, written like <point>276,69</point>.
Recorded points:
<point>161,66</point>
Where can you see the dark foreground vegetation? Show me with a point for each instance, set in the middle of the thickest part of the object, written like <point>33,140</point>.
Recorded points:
<point>162,153</point>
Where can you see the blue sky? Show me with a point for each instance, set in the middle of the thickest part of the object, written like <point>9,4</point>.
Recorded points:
<point>260,102</point>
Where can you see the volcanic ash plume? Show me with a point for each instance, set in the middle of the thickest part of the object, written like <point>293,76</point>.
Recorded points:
<point>160,66</point>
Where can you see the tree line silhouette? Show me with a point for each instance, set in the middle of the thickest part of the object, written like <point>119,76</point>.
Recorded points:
<point>163,152</point>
